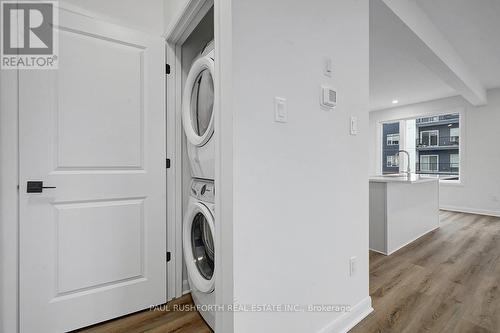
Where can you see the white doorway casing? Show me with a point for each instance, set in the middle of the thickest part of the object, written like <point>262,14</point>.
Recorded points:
<point>189,14</point>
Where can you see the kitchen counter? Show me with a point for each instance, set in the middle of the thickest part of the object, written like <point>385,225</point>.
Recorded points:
<point>402,209</point>
<point>403,178</point>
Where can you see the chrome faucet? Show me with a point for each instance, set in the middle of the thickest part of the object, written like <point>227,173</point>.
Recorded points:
<point>408,170</point>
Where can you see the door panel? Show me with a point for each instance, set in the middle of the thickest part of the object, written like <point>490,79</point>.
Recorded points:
<point>103,108</point>
<point>110,259</point>
<point>94,247</point>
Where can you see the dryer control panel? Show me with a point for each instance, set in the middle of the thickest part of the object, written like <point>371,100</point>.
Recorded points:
<point>203,190</point>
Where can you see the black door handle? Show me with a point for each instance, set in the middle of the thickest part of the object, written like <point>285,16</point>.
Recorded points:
<point>36,186</point>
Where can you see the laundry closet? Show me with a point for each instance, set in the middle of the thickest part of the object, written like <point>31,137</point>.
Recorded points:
<point>198,165</point>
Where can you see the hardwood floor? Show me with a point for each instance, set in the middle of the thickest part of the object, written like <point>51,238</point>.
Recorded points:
<point>446,281</point>
<point>165,320</point>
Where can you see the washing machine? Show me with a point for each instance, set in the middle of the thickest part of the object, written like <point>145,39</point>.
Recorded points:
<point>198,114</point>
<point>199,250</point>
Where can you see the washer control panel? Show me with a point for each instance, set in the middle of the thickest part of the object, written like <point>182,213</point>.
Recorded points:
<point>203,190</point>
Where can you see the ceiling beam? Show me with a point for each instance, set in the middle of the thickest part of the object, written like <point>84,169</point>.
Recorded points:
<point>440,55</point>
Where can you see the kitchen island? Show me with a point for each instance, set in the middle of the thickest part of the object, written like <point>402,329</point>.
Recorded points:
<point>402,209</point>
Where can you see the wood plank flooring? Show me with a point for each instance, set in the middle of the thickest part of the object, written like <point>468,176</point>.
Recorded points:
<point>165,320</point>
<point>446,281</point>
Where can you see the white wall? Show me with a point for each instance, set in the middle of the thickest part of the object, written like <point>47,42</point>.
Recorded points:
<point>480,160</point>
<point>300,188</point>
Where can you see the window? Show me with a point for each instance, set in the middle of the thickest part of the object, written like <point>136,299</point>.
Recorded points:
<point>454,135</point>
<point>432,141</point>
<point>429,138</point>
<point>392,161</point>
<point>454,162</point>
<point>393,139</point>
<point>429,163</point>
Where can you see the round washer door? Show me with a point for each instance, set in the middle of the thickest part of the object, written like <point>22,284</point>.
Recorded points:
<point>198,102</point>
<point>199,251</point>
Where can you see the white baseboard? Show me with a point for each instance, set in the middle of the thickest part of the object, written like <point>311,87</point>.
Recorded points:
<point>470,210</point>
<point>348,320</point>
<point>381,252</point>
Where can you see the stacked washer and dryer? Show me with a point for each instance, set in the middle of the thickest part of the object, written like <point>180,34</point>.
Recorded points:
<point>199,219</point>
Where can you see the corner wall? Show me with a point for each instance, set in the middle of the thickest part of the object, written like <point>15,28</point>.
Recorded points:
<point>480,161</point>
<point>300,188</point>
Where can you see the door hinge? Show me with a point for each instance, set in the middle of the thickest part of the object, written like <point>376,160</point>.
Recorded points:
<point>168,256</point>
<point>168,163</point>
<point>167,68</point>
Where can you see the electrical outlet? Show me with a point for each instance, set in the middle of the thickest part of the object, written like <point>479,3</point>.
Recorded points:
<point>352,266</point>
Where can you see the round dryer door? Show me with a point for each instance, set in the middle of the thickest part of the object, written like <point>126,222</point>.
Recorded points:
<point>199,251</point>
<point>198,102</point>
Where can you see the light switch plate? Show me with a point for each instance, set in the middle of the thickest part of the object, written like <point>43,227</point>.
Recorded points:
<point>328,67</point>
<point>354,125</point>
<point>280,110</point>
<point>352,266</point>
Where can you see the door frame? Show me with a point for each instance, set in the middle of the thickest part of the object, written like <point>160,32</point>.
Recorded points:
<point>9,201</point>
<point>182,26</point>
<point>9,189</point>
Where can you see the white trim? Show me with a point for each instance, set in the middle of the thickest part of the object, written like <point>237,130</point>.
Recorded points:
<point>224,182</point>
<point>347,320</point>
<point>174,149</point>
<point>377,251</point>
<point>9,201</point>
<point>469,210</point>
<point>187,20</point>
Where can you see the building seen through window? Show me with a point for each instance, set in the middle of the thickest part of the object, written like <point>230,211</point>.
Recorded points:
<point>432,142</point>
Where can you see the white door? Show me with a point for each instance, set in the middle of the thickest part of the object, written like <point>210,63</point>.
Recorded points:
<point>94,247</point>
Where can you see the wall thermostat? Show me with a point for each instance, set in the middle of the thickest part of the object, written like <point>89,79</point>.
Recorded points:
<point>328,97</point>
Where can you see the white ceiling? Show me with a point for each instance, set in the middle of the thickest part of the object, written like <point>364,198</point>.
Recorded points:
<point>472,28</point>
